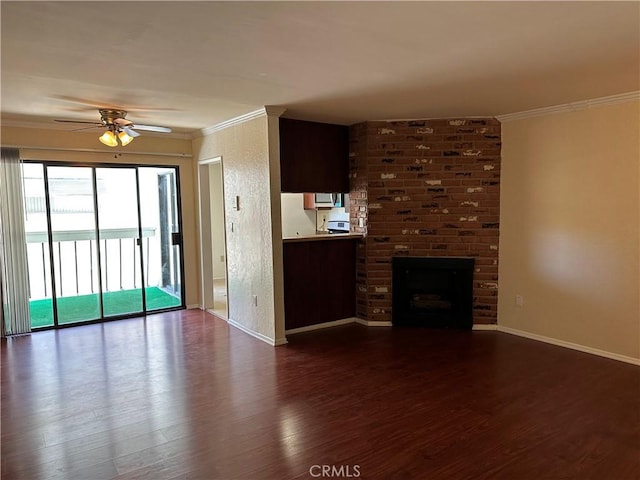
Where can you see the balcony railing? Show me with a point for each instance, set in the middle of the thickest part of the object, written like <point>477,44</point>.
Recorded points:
<point>75,256</point>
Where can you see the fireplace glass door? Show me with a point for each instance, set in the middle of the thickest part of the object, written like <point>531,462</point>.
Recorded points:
<point>433,291</point>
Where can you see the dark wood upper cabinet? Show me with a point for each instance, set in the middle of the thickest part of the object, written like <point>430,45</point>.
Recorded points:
<point>314,157</point>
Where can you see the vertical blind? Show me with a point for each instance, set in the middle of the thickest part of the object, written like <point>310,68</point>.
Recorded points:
<point>14,284</point>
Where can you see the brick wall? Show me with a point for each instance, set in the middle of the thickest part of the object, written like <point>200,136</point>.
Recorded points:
<point>425,188</point>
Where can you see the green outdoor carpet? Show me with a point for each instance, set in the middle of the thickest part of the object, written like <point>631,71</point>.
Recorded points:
<point>87,307</point>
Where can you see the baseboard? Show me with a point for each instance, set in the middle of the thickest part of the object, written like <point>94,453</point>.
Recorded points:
<point>257,335</point>
<point>573,346</point>
<point>318,326</point>
<point>281,341</point>
<point>193,306</point>
<point>485,326</point>
<point>373,323</point>
<point>217,315</point>
<point>366,323</point>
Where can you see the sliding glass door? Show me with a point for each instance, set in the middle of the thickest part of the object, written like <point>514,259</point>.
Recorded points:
<point>162,245</point>
<point>102,242</point>
<point>73,241</point>
<point>39,255</point>
<point>119,241</point>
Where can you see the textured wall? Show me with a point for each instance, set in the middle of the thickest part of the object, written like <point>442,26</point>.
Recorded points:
<point>570,227</point>
<point>244,149</point>
<point>425,188</point>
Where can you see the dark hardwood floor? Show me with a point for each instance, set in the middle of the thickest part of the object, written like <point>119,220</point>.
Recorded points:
<point>182,395</point>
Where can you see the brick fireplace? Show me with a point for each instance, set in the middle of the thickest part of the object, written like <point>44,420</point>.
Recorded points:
<point>425,188</point>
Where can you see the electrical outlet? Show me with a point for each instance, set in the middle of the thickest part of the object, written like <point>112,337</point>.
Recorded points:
<point>321,221</point>
<point>361,222</point>
<point>519,300</point>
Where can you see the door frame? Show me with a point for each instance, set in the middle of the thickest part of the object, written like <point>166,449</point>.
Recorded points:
<point>206,240</point>
<point>94,166</point>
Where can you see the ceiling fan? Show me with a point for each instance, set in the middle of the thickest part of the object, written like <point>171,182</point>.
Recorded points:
<point>118,127</point>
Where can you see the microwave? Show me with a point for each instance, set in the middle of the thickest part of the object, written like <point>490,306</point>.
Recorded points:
<point>328,200</point>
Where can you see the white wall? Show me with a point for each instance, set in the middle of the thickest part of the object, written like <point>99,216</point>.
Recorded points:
<point>254,261</point>
<point>569,227</point>
<point>295,219</point>
<point>217,220</point>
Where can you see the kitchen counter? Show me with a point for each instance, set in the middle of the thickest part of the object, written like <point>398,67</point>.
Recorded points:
<point>322,236</point>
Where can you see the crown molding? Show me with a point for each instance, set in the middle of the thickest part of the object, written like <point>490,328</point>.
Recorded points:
<point>571,107</point>
<point>417,119</point>
<point>261,112</point>
<point>274,111</point>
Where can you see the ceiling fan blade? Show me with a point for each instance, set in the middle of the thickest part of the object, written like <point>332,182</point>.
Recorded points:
<point>87,128</point>
<point>78,121</point>
<point>123,122</point>
<point>151,128</point>
<point>130,132</point>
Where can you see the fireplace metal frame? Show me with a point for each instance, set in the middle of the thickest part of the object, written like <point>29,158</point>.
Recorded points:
<point>460,273</point>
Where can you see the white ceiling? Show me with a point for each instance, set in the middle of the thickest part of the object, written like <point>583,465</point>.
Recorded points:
<point>191,65</point>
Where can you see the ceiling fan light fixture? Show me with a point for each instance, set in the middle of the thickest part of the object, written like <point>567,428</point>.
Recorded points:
<point>108,138</point>
<point>117,127</point>
<point>125,138</point>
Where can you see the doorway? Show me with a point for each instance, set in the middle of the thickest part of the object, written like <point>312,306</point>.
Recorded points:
<point>213,237</point>
<point>103,242</point>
